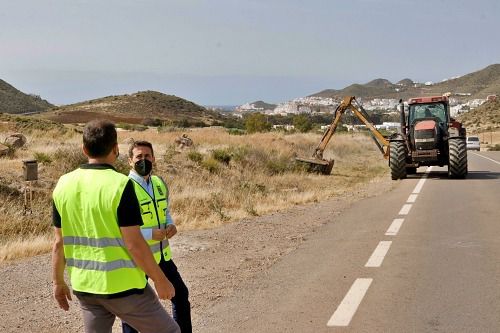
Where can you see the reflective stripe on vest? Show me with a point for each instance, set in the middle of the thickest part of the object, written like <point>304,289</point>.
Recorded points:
<point>98,261</point>
<point>154,216</point>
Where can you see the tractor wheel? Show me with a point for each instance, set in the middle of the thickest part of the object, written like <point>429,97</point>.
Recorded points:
<point>397,160</point>
<point>457,164</point>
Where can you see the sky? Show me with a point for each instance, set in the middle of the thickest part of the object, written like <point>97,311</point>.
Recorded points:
<point>229,52</point>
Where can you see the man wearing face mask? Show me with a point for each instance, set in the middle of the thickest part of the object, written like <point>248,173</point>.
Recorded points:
<point>158,227</point>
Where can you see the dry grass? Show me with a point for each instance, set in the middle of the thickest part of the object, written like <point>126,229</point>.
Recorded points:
<point>221,179</point>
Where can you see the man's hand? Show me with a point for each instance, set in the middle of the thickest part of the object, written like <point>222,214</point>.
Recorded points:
<point>62,294</point>
<point>171,230</point>
<point>164,288</point>
<point>159,234</point>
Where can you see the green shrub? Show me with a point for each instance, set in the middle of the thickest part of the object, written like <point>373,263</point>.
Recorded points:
<point>495,147</point>
<point>222,155</point>
<point>302,123</point>
<point>235,131</point>
<point>42,158</point>
<point>195,156</point>
<point>69,158</point>
<point>211,164</point>
<point>278,165</point>
<point>257,122</point>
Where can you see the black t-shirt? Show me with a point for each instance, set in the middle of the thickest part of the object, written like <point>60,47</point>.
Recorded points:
<point>128,212</point>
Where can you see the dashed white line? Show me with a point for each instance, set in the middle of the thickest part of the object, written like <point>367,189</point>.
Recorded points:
<point>378,254</point>
<point>394,228</point>
<point>349,305</point>
<point>412,198</point>
<point>492,160</point>
<point>421,182</point>
<point>405,209</point>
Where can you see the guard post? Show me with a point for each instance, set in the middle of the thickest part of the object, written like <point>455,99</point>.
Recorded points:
<point>30,170</point>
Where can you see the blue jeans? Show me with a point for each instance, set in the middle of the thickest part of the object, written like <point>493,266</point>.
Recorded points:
<point>181,308</point>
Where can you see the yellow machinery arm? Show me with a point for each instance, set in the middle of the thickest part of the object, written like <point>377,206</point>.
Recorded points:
<point>318,163</point>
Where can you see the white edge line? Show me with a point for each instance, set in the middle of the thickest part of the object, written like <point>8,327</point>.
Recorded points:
<point>379,254</point>
<point>349,305</point>
<point>394,228</point>
<point>492,160</point>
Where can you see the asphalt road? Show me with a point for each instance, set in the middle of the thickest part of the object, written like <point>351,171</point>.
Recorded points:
<point>424,257</point>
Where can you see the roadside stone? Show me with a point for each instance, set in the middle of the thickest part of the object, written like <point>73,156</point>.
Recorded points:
<point>16,140</point>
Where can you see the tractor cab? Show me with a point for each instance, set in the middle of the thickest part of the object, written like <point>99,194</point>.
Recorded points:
<point>428,119</point>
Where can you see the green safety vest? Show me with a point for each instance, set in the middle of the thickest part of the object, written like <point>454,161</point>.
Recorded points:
<point>154,215</point>
<point>97,259</point>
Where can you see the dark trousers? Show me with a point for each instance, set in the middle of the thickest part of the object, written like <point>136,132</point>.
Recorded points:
<point>181,308</point>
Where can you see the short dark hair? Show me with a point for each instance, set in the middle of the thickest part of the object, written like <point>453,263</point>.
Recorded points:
<point>99,137</point>
<point>141,143</point>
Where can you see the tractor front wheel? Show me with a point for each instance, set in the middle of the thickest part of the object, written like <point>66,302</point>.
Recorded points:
<point>397,160</point>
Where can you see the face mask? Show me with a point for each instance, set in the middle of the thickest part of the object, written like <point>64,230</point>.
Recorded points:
<point>143,167</point>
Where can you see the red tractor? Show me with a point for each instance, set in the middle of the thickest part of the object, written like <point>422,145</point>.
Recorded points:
<point>428,136</point>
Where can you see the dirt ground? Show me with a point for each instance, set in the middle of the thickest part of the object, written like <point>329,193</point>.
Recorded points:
<point>212,262</point>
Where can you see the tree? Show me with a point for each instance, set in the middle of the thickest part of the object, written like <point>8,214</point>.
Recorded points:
<point>302,123</point>
<point>257,122</point>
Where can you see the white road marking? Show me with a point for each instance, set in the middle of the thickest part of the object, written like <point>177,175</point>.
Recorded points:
<point>394,228</point>
<point>412,198</point>
<point>486,158</point>
<point>419,186</point>
<point>378,254</point>
<point>421,182</point>
<point>405,209</point>
<point>349,305</point>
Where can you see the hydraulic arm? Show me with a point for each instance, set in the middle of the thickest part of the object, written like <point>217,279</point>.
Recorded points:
<point>317,162</point>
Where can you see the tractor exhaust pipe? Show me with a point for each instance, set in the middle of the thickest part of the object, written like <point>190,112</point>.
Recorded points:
<point>402,117</point>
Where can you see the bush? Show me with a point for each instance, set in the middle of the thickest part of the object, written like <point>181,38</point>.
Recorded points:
<point>211,164</point>
<point>257,122</point>
<point>152,122</point>
<point>495,147</point>
<point>235,131</point>
<point>278,165</point>
<point>69,158</point>
<point>42,158</point>
<point>195,156</point>
<point>222,155</point>
<point>302,123</point>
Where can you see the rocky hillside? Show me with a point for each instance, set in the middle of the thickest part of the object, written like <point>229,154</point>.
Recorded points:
<point>478,84</point>
<point>141,107</point>
<point>15,101</point>
<point>483,118</point>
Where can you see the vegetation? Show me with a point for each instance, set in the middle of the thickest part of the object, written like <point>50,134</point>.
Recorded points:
<point>222,179</point>
<point>257,122</point>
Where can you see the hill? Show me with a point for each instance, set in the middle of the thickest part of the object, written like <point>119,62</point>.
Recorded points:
<point>483,118</point>
<point>478,84</point>
<point>139,108</point>
<point>14,101</point>
<point>264,105</point>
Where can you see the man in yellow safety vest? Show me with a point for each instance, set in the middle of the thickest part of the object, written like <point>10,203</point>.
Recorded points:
<point>157,227</point>
<point>98,239</point>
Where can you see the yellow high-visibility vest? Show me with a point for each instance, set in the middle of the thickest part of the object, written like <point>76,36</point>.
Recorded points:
<point>153,212</point>
<point>98,261</point>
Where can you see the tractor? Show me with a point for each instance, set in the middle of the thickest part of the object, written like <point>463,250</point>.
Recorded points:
<point>428,136</point>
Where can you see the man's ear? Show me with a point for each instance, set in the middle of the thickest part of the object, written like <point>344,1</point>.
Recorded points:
<point>85,151</point>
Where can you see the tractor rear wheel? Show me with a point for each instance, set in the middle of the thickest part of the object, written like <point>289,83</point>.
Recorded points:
<point>457,163</point>
<point>397,160</point>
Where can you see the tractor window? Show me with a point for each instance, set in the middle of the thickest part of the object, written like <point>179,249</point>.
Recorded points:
<point>419,111</point>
